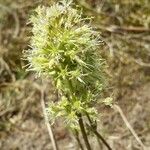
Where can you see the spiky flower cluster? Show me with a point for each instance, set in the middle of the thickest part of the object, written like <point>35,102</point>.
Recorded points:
<point>64,47</point>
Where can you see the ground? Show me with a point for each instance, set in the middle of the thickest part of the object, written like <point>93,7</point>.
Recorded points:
<point>124,27</point>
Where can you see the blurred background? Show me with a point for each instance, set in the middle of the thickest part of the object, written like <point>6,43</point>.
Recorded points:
<point>124,26</point>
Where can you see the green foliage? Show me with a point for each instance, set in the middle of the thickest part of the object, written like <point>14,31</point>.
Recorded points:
<point>65,47</point>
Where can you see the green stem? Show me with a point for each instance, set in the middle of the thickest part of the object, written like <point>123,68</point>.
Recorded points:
<point>99,142</point>
<point>94,130</point>
<point>80,121</point>
<point>78,140</point>
<point>84,134</point>
<point>102,139</point>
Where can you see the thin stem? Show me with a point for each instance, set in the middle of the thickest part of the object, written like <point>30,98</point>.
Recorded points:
<point>87,144</point>
<point>116,107</point>
<point>99,142</point>
<point>102,139</point>
<point>50,131</point>
<point>78,140</point>
<point>81,124</point>
<point>94,130</point>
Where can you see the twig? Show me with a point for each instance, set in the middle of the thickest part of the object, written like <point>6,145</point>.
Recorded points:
<point>94,130</point>
<point>116,107</point>
<point>6,111</point>
<point>134,29</point>
<point>84,134</point>
<point>54,144</point>
<point>121,30</point>
<point>142,63</point>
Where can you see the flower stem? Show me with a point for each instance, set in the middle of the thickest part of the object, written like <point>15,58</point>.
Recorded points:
<point>84,134</point>
<point>78,140</point>
<point>94,130</point>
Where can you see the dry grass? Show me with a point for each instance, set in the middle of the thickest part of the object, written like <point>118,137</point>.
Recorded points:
<point>124,27</point>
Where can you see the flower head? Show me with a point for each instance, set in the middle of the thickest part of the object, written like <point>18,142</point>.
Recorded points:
<point>64,46</point>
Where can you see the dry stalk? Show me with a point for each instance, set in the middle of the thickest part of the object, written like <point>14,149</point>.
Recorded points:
<point>116,107</point>
<point>50,131</point>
